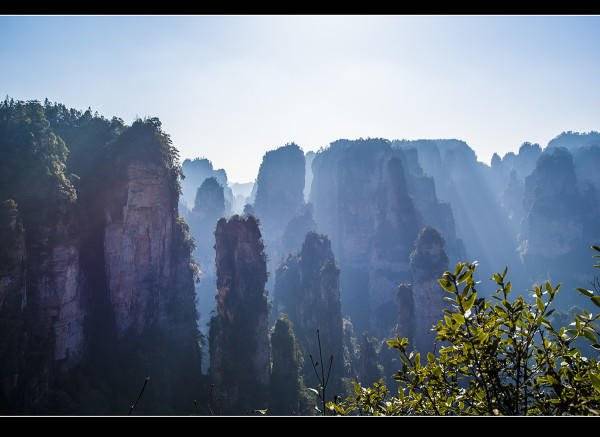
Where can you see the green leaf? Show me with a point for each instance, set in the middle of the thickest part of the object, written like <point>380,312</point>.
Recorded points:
<point>586,292</point>
<point>596,300</point>
<point>445,284</point>
<point>470,301</point>
<point>595,381</point>
<point>539,303</point>
<point>459,318</point>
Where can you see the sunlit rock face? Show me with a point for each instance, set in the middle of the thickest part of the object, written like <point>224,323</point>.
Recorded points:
<point>309,157</point>
<point>307,288</point>
<point>137,243</point>
<point>507,179</point>
<point>372,199</point>
<point>553,226</point>
<point>560,221</point>
<point>279,196</point>
<point>512,199</point>
<point>469,187</point>
<point>427,262</point>
<point>150,286</point>
<point>239,342</point>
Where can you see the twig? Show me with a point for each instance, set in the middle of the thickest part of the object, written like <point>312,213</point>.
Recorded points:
<point>132,407</point>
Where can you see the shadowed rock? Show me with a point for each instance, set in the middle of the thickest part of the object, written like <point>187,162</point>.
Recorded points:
<point>239,341</point>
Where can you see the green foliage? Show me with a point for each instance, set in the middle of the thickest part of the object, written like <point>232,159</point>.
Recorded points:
<point>145,140</point>
<point>286,381</point>
<point>32,163</point>
<point>501,356</point>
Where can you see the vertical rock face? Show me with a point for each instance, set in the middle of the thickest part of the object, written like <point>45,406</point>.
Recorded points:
<point>427,262</point>
<point>308,177</point>
<point>242,193</point>
<point>297,228</point>
<point>560,220</point>
<point>137,245</point>
<point>196,171</point>
<point>279,196</point>
<point>512,199</point>
<point>371,199</point>
<point>466,184</point>
<point>552,201</point>
<point>239,342</point>
<point>307,289</point>
<point>396,230</point>
<point>369,370</point>
<point>209,207</point>
<point>149,274</point>
<point>12,299</point>
<point>96,284</point>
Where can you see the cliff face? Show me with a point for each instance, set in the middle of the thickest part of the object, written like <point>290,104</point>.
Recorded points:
<point>195,172</point>
<point>137,244</point>
<point>150,283</point>
<point>279,196</point>
<point>371,199</point>
<point>97,280</point>
<point>427,262</point>
<point>209,207</point>
<point>561,220</point>
<point>307,288</point>
<point>12,299</point>
<point>472,191</point>
<point>239,341</point>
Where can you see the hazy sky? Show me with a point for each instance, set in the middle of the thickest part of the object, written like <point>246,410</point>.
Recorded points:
<point>231,88</point>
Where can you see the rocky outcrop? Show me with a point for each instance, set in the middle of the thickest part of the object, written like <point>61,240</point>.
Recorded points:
<point>239,341</point>
<point>242,193</point>
<point>308,176</point>
<point>279,196</point>
<point>371,198</point>
<point>96,283</point>
<point>209,207</point>
<point>297,228</point>
<point>370,370</point>
<point>473,193</point>
<point>286,385</point>
<point>307,289</point>
<point>560,221</point>
<point>195,172</point>
<point>13,299</point>
<point>427,262</point>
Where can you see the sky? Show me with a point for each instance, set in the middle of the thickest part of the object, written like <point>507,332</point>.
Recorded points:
<point>229,88</point>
